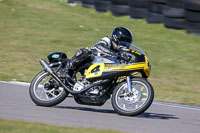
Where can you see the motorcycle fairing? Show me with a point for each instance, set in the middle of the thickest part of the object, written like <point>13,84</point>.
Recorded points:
<point>103,70</point>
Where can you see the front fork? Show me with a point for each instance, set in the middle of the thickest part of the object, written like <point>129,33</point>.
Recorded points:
<point>129,84</point>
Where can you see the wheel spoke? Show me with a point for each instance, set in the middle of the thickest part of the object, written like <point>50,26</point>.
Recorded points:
<point>124,106</point>
<point>131,101</point>
<point>52,93</point>
<point>142,88</point>
<point>41,93</point>
<point>46,93</point>
<point>144,94</point>
<point>144,99</point>
<point>136,106</point>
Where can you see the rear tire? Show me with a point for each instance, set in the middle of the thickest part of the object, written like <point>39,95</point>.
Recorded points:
<point>43,96</point>
<point>135,103</point>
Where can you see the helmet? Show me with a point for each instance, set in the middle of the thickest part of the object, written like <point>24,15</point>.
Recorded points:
<point>122,34</point>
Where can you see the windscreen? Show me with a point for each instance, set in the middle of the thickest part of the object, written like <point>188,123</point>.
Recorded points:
<point>131,46</point>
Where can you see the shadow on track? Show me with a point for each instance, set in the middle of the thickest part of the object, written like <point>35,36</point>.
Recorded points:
<point>88,109</point>
<point>108,111</point>
<point>157,116</point>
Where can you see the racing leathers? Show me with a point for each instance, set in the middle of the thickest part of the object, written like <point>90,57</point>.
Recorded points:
<point>105,47</point>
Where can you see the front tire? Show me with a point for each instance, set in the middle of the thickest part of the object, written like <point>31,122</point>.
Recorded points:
<point>44,91</point>
<point>135,102</point>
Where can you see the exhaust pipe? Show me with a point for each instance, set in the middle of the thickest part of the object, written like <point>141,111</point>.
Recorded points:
<point>46,66</point>
<point>48,69</point>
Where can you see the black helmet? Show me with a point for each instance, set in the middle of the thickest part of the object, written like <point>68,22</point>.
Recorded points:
<point>122,34</point>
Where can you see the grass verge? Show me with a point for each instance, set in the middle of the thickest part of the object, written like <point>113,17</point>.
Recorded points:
<point>10,126</point>
<point>30,30</point>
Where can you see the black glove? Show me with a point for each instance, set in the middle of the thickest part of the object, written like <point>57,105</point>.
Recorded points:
<point>86,50</point>
<point>119,48</point>
<point>122,56</point>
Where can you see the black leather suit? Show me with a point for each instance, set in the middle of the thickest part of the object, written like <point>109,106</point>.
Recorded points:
<point>102,48</point>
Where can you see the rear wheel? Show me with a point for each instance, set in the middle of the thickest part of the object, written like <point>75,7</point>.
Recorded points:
<point>45,91</point>
<point>135,102</point>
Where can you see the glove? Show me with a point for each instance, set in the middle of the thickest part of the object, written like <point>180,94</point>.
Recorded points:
<point>123,56</point>
<point>86,50</point>
<point>119,48</point>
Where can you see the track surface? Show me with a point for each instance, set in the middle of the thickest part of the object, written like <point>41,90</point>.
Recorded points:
<point>15,104</point>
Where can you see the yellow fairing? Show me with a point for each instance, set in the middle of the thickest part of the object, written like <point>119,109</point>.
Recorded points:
<point>95,70</point>
<point>124,67</point>
<point>147,68</point>
<point>100,69</point>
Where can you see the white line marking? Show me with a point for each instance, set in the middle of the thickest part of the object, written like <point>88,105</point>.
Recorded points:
<point>177,105</point>
<point>154,102</point>
<point>16,83</point>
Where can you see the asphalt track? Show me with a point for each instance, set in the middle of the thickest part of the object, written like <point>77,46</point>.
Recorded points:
<point>15,104</point>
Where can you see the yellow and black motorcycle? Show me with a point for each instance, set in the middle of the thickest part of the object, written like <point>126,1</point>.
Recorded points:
<point>94,83</point>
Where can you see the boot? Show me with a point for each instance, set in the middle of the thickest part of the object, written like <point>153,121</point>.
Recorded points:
<point>65,71</point>
<point>71,64</point>
<point>68,70</point>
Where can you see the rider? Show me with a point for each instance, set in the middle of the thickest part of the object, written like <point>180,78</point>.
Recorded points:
<point>107,46</point>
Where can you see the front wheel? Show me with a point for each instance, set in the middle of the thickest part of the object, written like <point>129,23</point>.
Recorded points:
<point>135,102</point>
<point>45,91</point>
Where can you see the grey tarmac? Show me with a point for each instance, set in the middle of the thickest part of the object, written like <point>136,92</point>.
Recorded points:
<point>15,104</point>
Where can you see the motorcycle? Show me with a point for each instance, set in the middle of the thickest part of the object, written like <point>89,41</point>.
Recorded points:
<point>96,81</point>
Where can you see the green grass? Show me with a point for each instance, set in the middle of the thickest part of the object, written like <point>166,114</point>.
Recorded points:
<point>31,29</point>
<point>8,126</point>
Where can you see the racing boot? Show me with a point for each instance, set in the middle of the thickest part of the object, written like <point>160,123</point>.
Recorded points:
<point>68,71</point>
<point>80,56</point>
